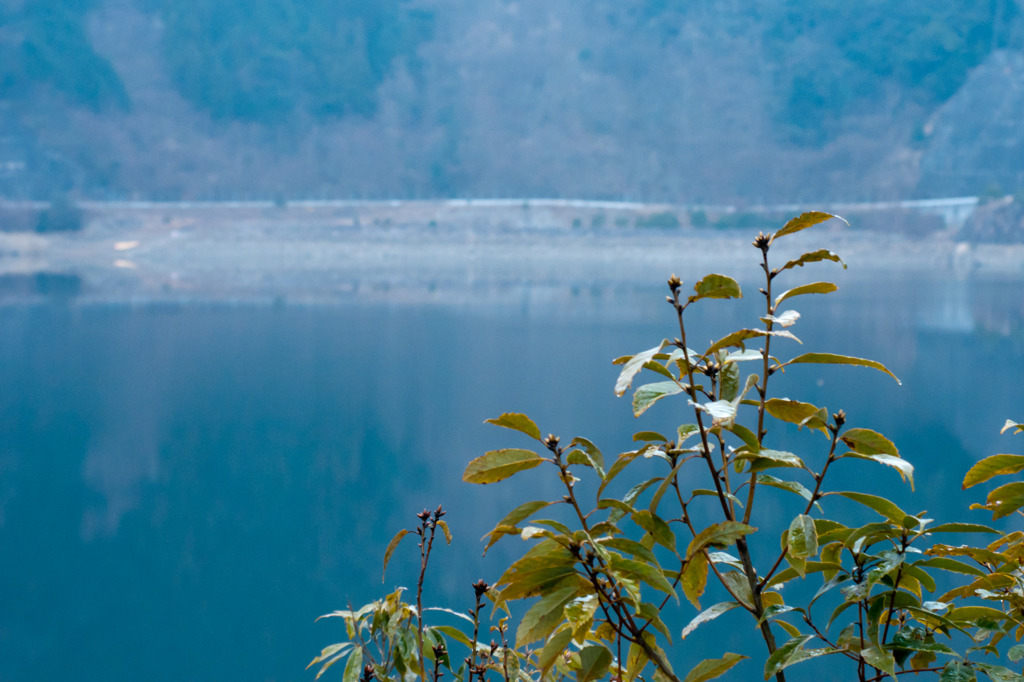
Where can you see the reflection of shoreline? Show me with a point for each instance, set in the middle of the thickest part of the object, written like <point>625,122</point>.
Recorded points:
<point>307,256</point>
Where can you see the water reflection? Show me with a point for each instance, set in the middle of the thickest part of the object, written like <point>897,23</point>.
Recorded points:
<point>192,486</point>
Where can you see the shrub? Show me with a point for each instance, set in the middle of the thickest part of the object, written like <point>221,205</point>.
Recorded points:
<point>665,220</point>
<point>606,561</point>
<point>63,215</point>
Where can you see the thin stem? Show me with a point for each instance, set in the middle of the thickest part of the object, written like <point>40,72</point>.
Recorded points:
<point>426,531</point>
<point>624,616</point>
<point>741,545</point>
<point>815,494</point>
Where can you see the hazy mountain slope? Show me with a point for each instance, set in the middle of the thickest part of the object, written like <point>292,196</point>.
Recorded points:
<point>726,101</point>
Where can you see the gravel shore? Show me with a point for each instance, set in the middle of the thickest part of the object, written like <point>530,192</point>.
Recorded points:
<point>390,251</point>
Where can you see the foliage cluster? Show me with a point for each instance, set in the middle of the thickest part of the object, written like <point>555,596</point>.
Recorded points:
<point>44,41</point>
<point>613,554</point>
<point>837,55</point>
<point>833,56</point>
<point>262,60</point>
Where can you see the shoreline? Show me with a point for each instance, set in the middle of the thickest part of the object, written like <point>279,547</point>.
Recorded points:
<point>421,252</point>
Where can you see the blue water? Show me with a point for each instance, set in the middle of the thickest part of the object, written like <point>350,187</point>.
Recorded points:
<point>184,489</point>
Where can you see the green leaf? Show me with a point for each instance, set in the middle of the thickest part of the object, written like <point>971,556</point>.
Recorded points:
<point>955,671</point>
<point>455,633</point>
<point>803,221</point>
<point>743,356</point>
<point>746,435</point>
<point>916,645</point>
<point>498,465</point>
<point>353,668</point>
<point>996,465</point>
<point>904,468</point>
<point>633,367</point>
<point>594,663</point>
<point>881,659</point>
<point>812,288</point>
<point>620,463</point>
<point>1015,653</point>
<point>709,615</point>
<point>639,570</point>
<point>329,656</point>
<point>719,536</point>
<point>971,614</point>
<point>630,547</point>
<point>879,504</point>
<point>802,538</point>
<point>813,257</point>
<point>695,578</point>
<point>545,615</point>
<point>580,615</point>
<point>649,437</point>
<point>648,394</point>
<point>868,442</point>
<point>507,525</point>
<point>796,412</point>
<point>517,422</point>
<point>962,528</point>
<point>729,381</point>
<point>1005,499</point>
<point>791,486</point>
<point>391,550</point>
<point>658,529</point>
<point>998,673</point>
<point>786,655</point>
<point>553,649</point>
<point>833,359</point>
<point>712,668</point>
<point>734,340</point>
<point>591,454</point>
<point>716,286</point>
<point>770,459</point>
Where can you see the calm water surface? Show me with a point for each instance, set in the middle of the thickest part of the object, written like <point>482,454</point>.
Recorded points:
<point>183,490</point>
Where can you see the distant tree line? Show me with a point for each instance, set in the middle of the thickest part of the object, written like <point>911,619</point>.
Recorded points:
<point>44,42</point>
<point>262,60</point>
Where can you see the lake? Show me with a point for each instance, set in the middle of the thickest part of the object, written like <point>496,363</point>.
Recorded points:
<point>184,489</point>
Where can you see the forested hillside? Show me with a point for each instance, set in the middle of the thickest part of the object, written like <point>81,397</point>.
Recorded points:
<point>723,101</point>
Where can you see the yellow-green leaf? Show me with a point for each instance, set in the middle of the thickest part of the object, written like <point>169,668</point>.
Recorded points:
<point>1006,499</point>
<point>648,394</point>
<point>545,615</point>
<point>517,422</point>
<point>498,465</point>
<point>391,550</point>
<point>802,538</point>
<point>833,359</point>
<point>803,221</point>
<point>996,465</point>
<point>879,504</point>
<point>813,257</point>
<point>594,663</point>
<point>868,442</point>
<point>812,288</point>
<point>507,526</point>
<point>695,578</point>
<point>716,286</point>
<point>443,525</point>
<point>719,536</point>
<point>711,668</point>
